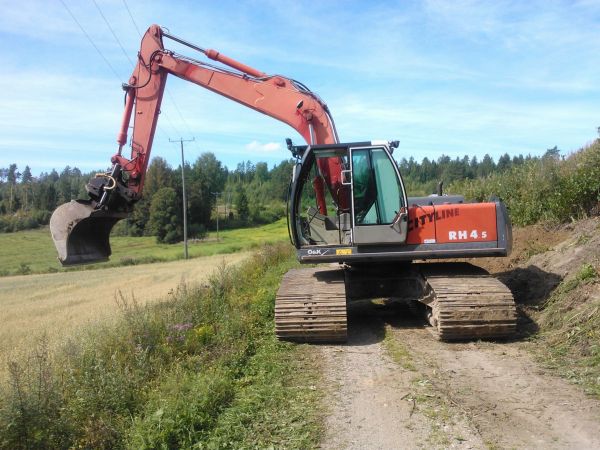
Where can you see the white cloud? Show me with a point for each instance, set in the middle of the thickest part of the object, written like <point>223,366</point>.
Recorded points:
<point>269,147</point>
<point>459,124</point>
<point>467,76</point>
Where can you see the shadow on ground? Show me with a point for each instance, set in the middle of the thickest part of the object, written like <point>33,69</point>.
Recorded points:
<point>531,287</point>
<point>367,320</point>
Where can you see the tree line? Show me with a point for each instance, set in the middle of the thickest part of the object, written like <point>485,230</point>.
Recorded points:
<point>249,194</point>
<point>422,178</point>
<point>549,189</point>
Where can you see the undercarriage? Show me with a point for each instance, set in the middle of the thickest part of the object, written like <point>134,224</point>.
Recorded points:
<point>460,301</point>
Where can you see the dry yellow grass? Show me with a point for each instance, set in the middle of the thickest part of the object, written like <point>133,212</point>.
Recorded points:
<point>60,303</point>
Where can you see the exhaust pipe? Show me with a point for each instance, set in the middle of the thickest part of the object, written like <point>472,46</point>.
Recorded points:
<point>81,232</point>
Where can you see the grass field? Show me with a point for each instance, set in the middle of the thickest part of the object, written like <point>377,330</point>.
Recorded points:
<point>57,304</point>
<point>32,251</point>
<point>200,369</point>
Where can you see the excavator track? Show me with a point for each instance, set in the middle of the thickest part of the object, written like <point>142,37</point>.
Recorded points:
<point>311,306</point>
<point>467,303</point>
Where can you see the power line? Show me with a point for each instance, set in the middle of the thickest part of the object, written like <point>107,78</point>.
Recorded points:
<point>107,22</point>
<point>91,41</point>
<point>113,33</point>
<point>172,125</point>
<point>171,98</point>
<point>89,38</point>
<point>132,19</point>
<point>179,112</point>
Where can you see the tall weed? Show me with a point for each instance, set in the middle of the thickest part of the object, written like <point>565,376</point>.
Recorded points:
<point>543,190</point>
<point>164,374</point>
<point>570,323</point>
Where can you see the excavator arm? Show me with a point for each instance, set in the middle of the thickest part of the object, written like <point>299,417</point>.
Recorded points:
<point>81,228</point>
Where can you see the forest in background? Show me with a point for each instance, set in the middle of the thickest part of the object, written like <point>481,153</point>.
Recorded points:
<point>253,194</point>
<point>249,195</point>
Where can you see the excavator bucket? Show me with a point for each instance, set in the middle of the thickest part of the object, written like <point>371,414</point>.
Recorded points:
<point>81,232</point>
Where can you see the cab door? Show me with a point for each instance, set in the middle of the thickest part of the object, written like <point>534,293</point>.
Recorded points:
<point>379,213</point>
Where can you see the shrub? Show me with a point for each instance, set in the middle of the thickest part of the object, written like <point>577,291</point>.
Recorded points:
<point>542,190</point>
<point>24,220</point>
<point>587,272</point>
<point>197,231</point>
<point>24,269</point>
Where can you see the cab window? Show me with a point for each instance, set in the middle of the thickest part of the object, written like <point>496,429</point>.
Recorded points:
<point>376,187</point>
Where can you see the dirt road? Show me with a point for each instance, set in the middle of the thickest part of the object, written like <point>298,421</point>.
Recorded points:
<point>394,386</point>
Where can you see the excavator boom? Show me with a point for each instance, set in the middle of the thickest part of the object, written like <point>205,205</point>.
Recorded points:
<point>81,228</point>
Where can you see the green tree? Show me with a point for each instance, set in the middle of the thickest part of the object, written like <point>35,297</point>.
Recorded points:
<point>552,153</point>
<point>207,175</point>
<point>209,170</point>
<point>504,162</point>
<point>241,202</point>
<point>26,180</point>
<point>165,220</point>
<point>158,176</point>
<point>262,172</point>
<point>12,178</point>
<point>45,196</point>
<point>26,177</point>
<point>280,179</point>
<point>486,167</point>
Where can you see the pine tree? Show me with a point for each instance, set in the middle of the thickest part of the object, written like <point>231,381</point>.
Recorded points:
<point>242,204</point>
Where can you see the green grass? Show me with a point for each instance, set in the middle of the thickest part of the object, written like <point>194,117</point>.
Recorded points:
<point>202,369</point>
<point>569,339</point>
<point>398,350</point>
<point>32,251</point>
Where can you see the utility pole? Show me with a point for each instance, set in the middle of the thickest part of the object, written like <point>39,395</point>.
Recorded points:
<point>216,194</point>
<point>185,241</point>
<point>228,202</point>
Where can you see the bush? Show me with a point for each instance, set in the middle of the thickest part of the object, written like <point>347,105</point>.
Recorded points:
<point>24,269</point>
<point>543,190</point>
<point>24,220</point>
<point>197,231</point>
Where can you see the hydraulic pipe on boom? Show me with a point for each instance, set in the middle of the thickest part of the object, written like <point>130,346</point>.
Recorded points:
<point>81,228</point>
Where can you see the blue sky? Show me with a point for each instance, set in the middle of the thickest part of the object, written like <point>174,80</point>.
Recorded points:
<point>443,77</point>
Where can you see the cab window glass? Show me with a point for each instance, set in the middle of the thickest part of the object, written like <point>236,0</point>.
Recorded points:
<point>388,186</point>
<point>376,187</point>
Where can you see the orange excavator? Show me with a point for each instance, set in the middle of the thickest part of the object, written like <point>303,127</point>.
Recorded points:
<point>347,205</point>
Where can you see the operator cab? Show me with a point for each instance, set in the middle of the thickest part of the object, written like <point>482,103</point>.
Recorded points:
<point>347,195</point>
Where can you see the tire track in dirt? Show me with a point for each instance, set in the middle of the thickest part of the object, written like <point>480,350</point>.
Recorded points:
<point>511,401</point>
<point>457,395</point>
<point>373,402</point>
